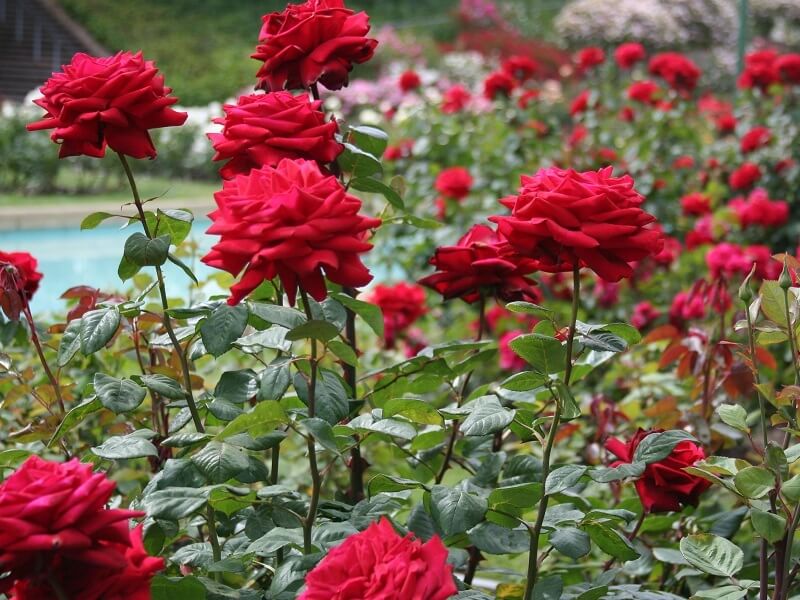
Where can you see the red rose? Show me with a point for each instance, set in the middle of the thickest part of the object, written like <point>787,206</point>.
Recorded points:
<point>498,84</point>
<point>527,98</point>
<point>700,234</point>
<point>402,149</point>
<point>669,253</point>
<point>263,129</point>
<point>577,135</point>
<point>686,306</point>
<point>629,54</point>
<point>319,40</point>
<point>758,209</point>
<point>18,274</point>
<point>725,123</point>
<point>580,103</point>
<point>455,182</point>
<point>745,176</point>
<point>378,564</point>
<point>126,576</point>
<point>646,92</point>
<point>664,486</point>
<point>760,70</point>
<point>589,57</point>
<point>455,99</point>
<point>788,68</point>
<point>481,264</point>
<point>520,68</point>
<point>409,81</point>
<point>626,114</point>
<point>756,138</point>
<point>293,222</point>
<point>563,219</point>
<point>510,360</point>
<point>114,101</point>
<point>644,313</point>
<point>676,69</point>
<point>401,304</point>
<point>55,512</point>
<point>695,204</point>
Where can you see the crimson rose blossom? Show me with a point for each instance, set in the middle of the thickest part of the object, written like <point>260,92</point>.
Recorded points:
<point>409,81</point>
<point>291,221</point>
<point>580,103</point>
<point>676,69</point>
<point>53,521</point>
<point>664,486</point>
<point>509,360</point>
<point>695,204</point>
<point>401,304</point>
<point>455,182</point>
<point>18,273</point>
<point>455,99</point>
<point>520,68</point>
<point>589,57</point>
<point>745,176</point>
<point>263,129</point>
<point>319,40</point>
<point>646,92</point>
<point>644,313</point>
<point>498,84</point>
<point>758,209</point>
<point>480,264</point>
<point>756,138</point>
<point>97,102</point>
<point>760,70</point>
<point>629,54</point>
<point>788,68</point>
<point>379,564</point>
<point>565,219</point>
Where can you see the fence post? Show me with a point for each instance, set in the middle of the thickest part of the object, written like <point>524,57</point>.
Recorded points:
<point>742,41</point>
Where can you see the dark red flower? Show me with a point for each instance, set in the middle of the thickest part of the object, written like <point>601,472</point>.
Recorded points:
<point>455,183</point>
<point>695,204</point>
<point>564,219</point>
<point>745,176</point>
<point>455,99</point>
<point>409,81</point>
<point>481,264</point>
<point>590,57</point>
<point>788,68</point>
<point>664,486</point>
<point>316,41</point>
<point>580,103</point>
<point>19,280</point>
<point>646,92</point>
<point>683,162</point>
<point>758,209</point>
<point>498,84</point>
<point>113,101</point>
<point>760,70</point>
<point>263,129</point>
<point>520,68</point>
<point>756,138</point>
<point>628,54</point>
<point>401,304</point>
<point>676,69</point>
<point>291,221</point>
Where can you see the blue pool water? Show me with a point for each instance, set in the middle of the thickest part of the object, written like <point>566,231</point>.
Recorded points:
<point>69,257</point>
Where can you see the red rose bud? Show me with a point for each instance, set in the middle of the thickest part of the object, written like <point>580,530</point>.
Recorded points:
<point>562,219</point>
<point>379,564</point>
<point>114,101</point>
<point>664,486</point>
<point>19,280</point>
<point>263,129</point>
<point>293,222</point>
<point>480,264</point>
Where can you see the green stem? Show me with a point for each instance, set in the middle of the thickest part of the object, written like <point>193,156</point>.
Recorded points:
<point>40,353</point>
<point>536,531</point>
<point>761,404</point>
<point>213,538</point>
<point>793,346</point>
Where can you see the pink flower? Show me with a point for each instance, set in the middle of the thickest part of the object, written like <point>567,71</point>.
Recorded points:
<point>644,313</point>
<point>758,209</point>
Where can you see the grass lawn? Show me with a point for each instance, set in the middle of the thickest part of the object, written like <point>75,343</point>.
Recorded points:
<point>148,188</point>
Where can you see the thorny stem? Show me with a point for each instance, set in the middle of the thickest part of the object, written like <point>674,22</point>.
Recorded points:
<point>533,555</point>
<point>38,345</point>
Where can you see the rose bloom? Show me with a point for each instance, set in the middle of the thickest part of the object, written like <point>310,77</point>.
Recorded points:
<point>758,209</point>
<point>498,84</point>
<point>756,138</point>
<point>317,41</point>
<point>695,204</point>
<point>520,68</point>
<point>509,360</point>
<point>732,262</point>
<point>379,564</point>
<point>683,162</point>
<point>564,219</point>
<point>54,513</point>
<point>676,69</point>
<point>669,253</point>
<point>263,129</point>
<point>607,156</point>
<point>480,264</point>
<point>745,176</point>
<point>455,99</point>
<point>759,70</point>
<point>686,307</point>
<point>577,135</point>
<point>589,57</point>
<point>293,222</point>
<point>644,313</point>
<point>628,54</point>
<point>409,81</point>
<point>527,97</point>
<point>626,114</point>
<point>18,274</point>
<point>701,233</point>
<point>455,182</point>
<point>646,92</point>
<point>580,103</point>
<point>725,123</point>
<point>401,304</point>
<point>788,68</point>
<point>664,486</point>
<point>113,101</point>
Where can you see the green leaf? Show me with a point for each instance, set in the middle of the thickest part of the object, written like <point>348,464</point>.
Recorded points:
<point>182,266</point>
<point>389,483</point>
<point>611,541</point>
<point>220,461</point>
<point>70,343</point>
<point>343,352</point>
<point>548,588</point>
<point>75,417</point>
<point>97,329</point>
<point>456,511</point>
<point>175,223</point>
<point>275,539</point>
<point>94,219</point>
<point>373,186</point>
<point>773,303</point>
<point>223,327</point>
<point>754,482</point>
<point>712,554</point>
<point>733,415</point>
<point>359,162</point>
<point>236,386</point>
<point>563,478</point>
<point>145,252</point>
<point>771,527</point>
<point>284,316</point>
<point>544,353</point>
<point>791,488</point>
<point>322,431</point>
<point>127,268</point>
<point>264,418</point>
<point>529,308</point>
<point>164,386</point>
<point>725,592</point>
<point>658,446</point>
<point>570,542</point>
<point>175,503</point>
<point>118,395</point>
<point>176,588</point>
<point>412,409</point>
<point>487,416</point>
<point>317,330</point>
<point>369,312</point>
<point>623,471</point>
<point>369,139</point>
<point>525,381</point>
<point>495,539</point>
<point>275,380</point>
<point>521,495</point>
<point>133,445</point>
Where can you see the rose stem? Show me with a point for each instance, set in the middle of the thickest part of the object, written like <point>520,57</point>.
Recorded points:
<point>38,345</point>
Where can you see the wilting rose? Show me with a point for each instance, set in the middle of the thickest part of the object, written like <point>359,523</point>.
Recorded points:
<point>263,129</point>
<point>745,176</point>
<point>695,204</point>
<point>760,70</point>
<point>18,274</point>
<point>520,67</point>
<point>590,57</point>
<point>564,219</point>
<point>317,41</point>
<point>379,564</point>
<point>409,81</point>
<point>758,209</point>
<point>756,138</point>
<point>628,54</point>
<point>676,69</point>
<point>401,304</point>
<point>55,512</point>
<point>111,101</point>
<point>664,486</point>
<point>498,84</point>
<point>481,265</point>
<point>455,99</point>
<point>646,92</point>
<point>293,222</point>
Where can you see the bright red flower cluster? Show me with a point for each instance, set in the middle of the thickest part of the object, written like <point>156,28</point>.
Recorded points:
<point>744,176</point>
<point>520,68</point>
<point>646,92</point>
<point>678,70</point>
<point>731,261</point>
<point>758,209</point>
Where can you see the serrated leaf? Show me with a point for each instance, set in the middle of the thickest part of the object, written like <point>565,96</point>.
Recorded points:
<point>369,312</point>
<point>733,415</point>
<point>118,395</point>
<point>70,343</point>
<point>544,353</point>
<point>487,416</point>
<point>220,461</point>
<point>455,510</point>
<point>223,327</point>
<point>125,447</point>
<point>94,219</point>
<point>712,554</point>
<point>771,527</point>
<point>658,446</point>
<point>97,329</point>
<point>563,478</point>
<point>571,542</point>
<point>754,482</point>
<point>611,541</point>
<point>145,252</point>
